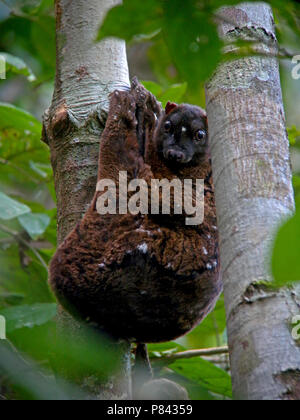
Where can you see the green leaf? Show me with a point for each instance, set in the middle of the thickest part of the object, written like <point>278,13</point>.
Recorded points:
<point>22,5</point>
<point>133,18</point>
<point>153,87</point>
<point>197,51</point>
<point>93,355</point>
<point>11,298</point>
<point>41,7</point>
<point>195,391</point>
<point>175,93</point>
<point>28,316</point>
<point>210,333</point>
<point>161,349</point>
<point>17,65</point>
<point>13,118</point>
<point>20,143</point>
<point>287,11</point>
<point>22,273</point>
<point>286,253</point>
<point>41,169</point>
<point>35,224</point>
<point>162,63</point>
<point>205,374</point>
<point>28,380</point>
<point>9,208</point>
<point>294,134</point>
<point>296,184</point>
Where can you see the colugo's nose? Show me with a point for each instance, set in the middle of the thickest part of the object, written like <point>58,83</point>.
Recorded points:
<point>176,155</point>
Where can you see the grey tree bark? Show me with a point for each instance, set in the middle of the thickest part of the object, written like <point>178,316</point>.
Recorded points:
<point>86,73</point>
<point>252,175</point>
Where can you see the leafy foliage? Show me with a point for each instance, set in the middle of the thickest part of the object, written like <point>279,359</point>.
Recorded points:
<point>28,316</point>
<point>17,66</point>
<point>35,224</point>
<point>176,92</point>
<point>11,208</point>
<point>285,260</point>
<point>185,41</point>
<point>207,375</point>
<point>294,136</point>
<point>34,385</point>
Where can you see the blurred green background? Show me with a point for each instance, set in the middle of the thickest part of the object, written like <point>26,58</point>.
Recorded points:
<point>166,63</point>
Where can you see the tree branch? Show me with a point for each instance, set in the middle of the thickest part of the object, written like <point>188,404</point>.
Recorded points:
<point>190,354</point>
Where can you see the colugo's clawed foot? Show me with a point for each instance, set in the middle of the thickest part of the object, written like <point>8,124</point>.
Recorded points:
<point>148,110</point>
<point>123,105</point>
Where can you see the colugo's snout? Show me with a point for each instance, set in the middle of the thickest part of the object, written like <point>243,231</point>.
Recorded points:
<point>175,155</point>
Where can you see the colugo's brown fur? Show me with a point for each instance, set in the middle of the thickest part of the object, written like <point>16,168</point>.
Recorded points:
<point>141,277</point>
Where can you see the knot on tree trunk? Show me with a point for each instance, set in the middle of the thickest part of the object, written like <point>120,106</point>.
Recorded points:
<point>57,124</point>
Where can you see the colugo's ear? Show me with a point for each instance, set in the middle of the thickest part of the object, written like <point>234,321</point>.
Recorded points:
<point>170,107</point>
<point>204,116</point>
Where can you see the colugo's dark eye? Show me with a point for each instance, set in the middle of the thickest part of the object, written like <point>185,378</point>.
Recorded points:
<point>168,125</point>
<point>201,136</point>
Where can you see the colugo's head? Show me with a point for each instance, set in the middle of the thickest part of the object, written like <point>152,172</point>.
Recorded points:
<point>182,134</point>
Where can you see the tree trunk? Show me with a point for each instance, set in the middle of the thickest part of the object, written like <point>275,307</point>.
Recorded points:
<point>86,73</point>
<point>252,175</point>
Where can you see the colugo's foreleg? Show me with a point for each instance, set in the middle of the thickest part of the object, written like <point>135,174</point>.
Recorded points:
<point>119,158</point>
<point>121,162</point>
<point>148,111</point>
<point>119,145</point>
